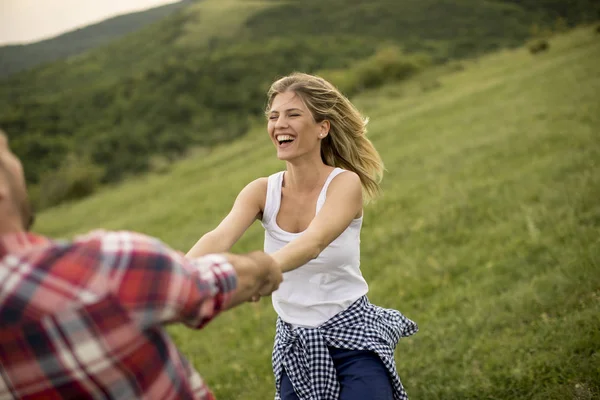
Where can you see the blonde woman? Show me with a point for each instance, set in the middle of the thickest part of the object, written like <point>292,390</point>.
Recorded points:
<point>331,342</point>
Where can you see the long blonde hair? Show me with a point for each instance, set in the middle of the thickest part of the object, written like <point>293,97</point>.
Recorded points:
<point>346,146</point>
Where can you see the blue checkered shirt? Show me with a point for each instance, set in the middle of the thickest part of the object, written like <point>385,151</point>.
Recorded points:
<point>363,326</point>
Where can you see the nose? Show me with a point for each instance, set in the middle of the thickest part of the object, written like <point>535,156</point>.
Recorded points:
<point>280,122</point>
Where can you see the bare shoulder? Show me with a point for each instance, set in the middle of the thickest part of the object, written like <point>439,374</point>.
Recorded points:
<point>255,192</point>
<point>346,181</point>
<point>345,191</point>
<point>257,187</point>
<point>346,186</point>
<point>259,183</point>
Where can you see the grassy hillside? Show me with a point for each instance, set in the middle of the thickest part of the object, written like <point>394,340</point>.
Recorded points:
<point>15,58</point>
<point>198,76</point>
<point>487,234</point>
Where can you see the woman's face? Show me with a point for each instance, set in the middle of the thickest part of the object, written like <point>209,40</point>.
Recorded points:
<point>292,128</point>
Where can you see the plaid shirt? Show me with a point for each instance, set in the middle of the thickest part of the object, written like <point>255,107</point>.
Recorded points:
<point>363,326</point>
<point>84,319</point>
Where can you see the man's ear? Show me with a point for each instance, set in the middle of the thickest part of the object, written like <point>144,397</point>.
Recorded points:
<point>3,187</point>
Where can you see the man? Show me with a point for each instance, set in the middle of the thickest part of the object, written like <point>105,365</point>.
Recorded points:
<point>84,319</point>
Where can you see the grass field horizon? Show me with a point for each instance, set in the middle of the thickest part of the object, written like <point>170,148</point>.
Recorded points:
<point>488,233</point>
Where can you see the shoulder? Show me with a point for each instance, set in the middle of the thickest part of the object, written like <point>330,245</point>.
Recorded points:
<point>256,189</point>
<point>253,195</point>
<point>262,183</point>
<point>122,242</point>
<point>345,180</point>
<point>345,186</point>
<point>259,184</point>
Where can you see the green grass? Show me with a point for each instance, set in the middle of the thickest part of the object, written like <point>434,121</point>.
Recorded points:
<point>218,19</point>
<point>488,235</point>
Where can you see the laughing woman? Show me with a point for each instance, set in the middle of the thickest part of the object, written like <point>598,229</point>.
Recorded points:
<point>330,342</point>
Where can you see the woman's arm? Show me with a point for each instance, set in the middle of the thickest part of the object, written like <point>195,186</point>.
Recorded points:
<point>246,209</point>
<point>343,203</point>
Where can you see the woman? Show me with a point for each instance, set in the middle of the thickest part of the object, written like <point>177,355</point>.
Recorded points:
<point>312,215</point>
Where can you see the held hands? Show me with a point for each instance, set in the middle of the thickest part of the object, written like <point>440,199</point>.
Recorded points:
<point>274,275</point>
<point>258,275</point>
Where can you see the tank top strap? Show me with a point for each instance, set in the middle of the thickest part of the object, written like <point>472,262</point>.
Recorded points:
<point>323,194</point>
<point>273,197</point>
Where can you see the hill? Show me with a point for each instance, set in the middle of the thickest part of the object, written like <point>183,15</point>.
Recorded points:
<point>15,58</point>
<point>198,76</point>
<point>487,234</point>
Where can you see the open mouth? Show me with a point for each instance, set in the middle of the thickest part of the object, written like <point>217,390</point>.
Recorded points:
<point>284,139</point>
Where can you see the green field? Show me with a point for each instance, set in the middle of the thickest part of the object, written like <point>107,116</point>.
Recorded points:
<point>197,77</point>
<point>488,235</point>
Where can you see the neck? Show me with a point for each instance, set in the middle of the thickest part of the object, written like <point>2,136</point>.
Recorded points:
<point>9,223</point>
<point>9,231</point>
<point>306,175</point>
<point>19,241</point>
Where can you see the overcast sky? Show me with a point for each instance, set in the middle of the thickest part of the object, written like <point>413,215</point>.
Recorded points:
<point>26,21</point>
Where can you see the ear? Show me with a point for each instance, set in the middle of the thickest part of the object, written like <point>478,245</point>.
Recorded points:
<point>3,187</point>
<point>324,129</point>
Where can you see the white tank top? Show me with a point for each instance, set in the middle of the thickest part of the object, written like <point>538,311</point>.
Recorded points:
<point>313,293</point>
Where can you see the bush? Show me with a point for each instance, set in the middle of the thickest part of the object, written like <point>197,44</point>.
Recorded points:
<point>538,46</point>
<point>77,177</point>
<point>388,64</point>
<point>345,80</point>
<point>159,164</point>
<point>455,66</point>
<point>429,84</point>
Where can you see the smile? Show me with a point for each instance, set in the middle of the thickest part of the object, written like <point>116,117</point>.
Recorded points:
<point>282,139</point>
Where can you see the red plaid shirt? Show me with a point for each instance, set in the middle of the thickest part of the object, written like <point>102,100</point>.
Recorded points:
<point>84,319</point>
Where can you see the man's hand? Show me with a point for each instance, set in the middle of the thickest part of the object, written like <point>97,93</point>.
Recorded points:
<point>258,275</point>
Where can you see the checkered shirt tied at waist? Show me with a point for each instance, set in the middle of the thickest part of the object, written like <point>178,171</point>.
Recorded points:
<point>363,326</point>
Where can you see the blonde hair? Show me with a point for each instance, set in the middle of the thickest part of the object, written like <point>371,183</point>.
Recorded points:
<point>346,146</point>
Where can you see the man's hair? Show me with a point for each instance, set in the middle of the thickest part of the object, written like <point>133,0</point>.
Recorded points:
<point>3,170</point>
<point>2,166</point>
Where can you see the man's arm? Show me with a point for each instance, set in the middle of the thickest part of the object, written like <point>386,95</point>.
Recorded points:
<point>160,285</point>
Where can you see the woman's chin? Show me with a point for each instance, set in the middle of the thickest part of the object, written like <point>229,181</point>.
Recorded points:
<point>284,155</point>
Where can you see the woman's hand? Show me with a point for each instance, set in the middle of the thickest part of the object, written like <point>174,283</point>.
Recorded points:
<point>266,289</point>
<point>257,273</point>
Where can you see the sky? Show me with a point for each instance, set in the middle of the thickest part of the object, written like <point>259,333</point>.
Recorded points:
<point>27,21</point>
